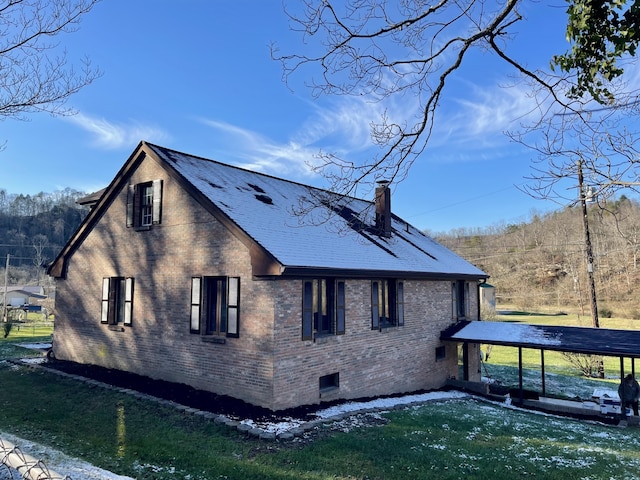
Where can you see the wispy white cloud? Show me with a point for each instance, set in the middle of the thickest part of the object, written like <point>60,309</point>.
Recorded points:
<point>483,115</point>
<point>255,151</point>
<point>341,129</point>
<point>110,135</point>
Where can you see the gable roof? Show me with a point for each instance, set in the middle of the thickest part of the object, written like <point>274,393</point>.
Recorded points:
<point>336,237</point>
<point>24,291</point>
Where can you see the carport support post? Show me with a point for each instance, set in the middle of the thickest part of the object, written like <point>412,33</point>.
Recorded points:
<point>621,368</point>
<point>520,374</point>
<point>544,386</point>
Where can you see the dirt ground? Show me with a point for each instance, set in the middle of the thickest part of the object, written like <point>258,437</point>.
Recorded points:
<point>181,393</point>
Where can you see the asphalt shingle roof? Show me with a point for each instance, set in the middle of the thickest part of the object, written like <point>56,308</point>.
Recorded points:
<point>265,207</point>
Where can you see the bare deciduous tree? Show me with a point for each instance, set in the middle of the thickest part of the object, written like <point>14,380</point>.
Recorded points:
<point>35,74</point>
<point>382,50</point>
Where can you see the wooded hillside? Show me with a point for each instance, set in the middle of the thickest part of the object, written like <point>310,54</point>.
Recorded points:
<point>543,263</point>
<point>535,264</point>
<point>33,229</point>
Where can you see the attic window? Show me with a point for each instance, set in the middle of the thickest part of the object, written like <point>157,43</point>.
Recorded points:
<point>265,199</point>
<point>144,202</point>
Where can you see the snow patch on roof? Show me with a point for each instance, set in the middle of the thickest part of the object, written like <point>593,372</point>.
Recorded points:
<point>503,332</point>
<point>337,234</point>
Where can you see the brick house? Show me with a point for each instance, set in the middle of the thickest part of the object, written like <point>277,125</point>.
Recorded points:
<point>239,283</point>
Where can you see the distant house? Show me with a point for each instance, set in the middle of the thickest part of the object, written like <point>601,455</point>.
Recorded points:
<point>201,273</point>
<point>20,295</point>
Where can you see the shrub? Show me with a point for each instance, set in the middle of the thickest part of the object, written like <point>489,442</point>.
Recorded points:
<point>605,312</point>
<point>7,326</point>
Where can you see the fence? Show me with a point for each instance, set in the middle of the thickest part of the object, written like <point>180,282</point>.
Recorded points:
<point>26,466</point>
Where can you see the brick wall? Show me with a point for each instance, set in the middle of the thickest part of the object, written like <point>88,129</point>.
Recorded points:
<point>162,260</point>
<point>268,365</point>
<point>369,362</point>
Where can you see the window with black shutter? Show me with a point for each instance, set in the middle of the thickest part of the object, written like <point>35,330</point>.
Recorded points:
<point>144,204</point>
<point>460,299</point>
<point>117,301</point>
<point>215,306</point>
<point>323,307</point>
<point>387,304</point>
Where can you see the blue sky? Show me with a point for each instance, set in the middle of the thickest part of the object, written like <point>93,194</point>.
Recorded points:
<point>197,76</point>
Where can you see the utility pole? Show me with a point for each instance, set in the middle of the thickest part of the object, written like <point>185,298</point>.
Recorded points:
<point>589,255</point>
<point>6,278</point>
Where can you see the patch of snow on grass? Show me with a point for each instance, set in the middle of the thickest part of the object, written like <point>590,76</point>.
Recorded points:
<point>34,360</point>
<point>354,407</point>
<point>35,346</point>
<point>382,403</point>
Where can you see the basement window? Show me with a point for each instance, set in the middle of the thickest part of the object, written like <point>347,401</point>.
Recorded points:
<point>329,382</point>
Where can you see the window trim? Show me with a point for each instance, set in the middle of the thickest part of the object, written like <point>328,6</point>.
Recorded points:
<point>145,191</point>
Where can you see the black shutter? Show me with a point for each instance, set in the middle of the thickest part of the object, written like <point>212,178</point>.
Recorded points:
<point>137,204</point>
<point>340,309</point>
<point>104,315</point>
<point>128,300</point>
<point>375,306</point>
<point>131,193</point>
<point>233,307</point>
<point>307,310</point>
<point>157,201</point>
<point>400,303</point>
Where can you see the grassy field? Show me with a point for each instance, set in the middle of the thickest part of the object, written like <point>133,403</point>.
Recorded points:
<point>555,362</point>
<point>444,439</point>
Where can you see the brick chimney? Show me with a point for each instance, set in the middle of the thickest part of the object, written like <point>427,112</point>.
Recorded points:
<point>383,208</point>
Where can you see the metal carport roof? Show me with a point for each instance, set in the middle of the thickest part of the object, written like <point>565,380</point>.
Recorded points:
<point>586,340</point>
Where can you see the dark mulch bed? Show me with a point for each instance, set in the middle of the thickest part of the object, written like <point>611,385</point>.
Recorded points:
<point>180,393</point>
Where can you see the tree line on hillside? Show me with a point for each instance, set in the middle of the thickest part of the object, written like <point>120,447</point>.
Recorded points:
<point>33,230</point>
<point>538,263</point>
<point>542,262</point>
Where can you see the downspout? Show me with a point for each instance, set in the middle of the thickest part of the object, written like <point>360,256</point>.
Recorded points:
<point>6,277</point>
<point>481,282</point>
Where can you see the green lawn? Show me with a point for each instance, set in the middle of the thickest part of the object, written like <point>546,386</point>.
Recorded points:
<point>555,362</point>
<point>444,439</point>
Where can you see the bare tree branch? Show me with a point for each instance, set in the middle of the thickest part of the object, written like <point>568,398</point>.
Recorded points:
<point>35,75</point>
<point>383,50</point>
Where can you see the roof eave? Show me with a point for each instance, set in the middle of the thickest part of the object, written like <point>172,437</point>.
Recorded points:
<point>302,271</point>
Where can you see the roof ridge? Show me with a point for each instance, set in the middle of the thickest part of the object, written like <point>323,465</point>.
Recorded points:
<point>160,148</point>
